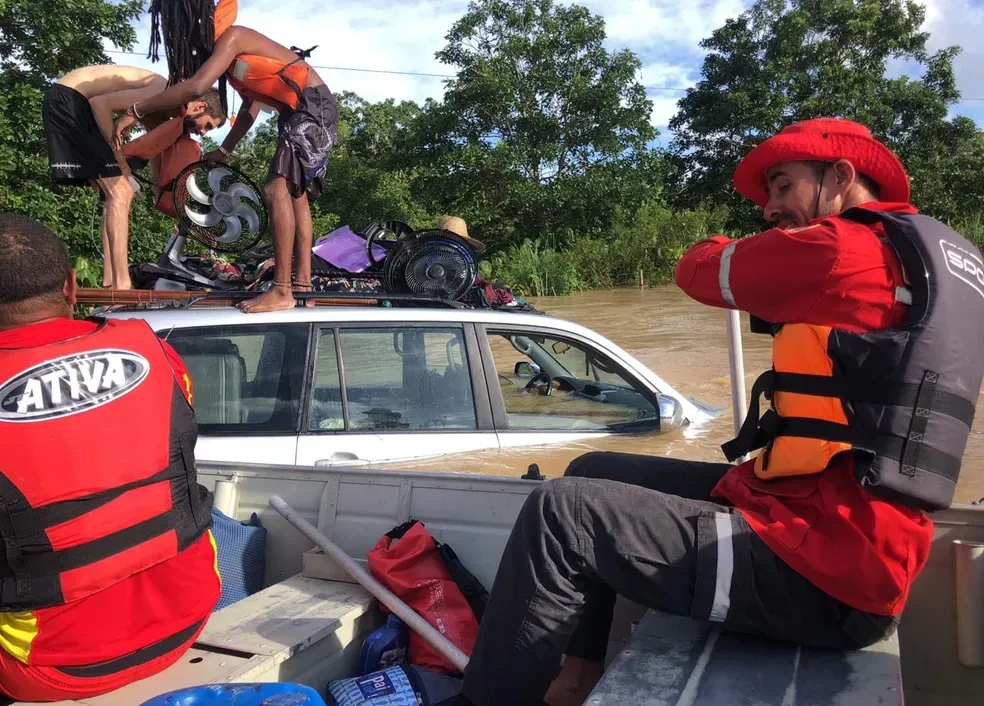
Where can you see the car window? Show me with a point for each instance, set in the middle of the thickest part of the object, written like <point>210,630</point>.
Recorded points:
<point>551,383</point>
<point>246,379</point>
<point>395,379</point>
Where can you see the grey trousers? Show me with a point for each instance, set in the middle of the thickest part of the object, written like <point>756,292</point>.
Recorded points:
<point>643,527</point>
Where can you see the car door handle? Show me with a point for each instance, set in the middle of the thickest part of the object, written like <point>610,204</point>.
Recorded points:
<point>341,458</point>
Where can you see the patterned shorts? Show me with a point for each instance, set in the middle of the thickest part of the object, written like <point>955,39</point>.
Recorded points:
<point>307,135</point>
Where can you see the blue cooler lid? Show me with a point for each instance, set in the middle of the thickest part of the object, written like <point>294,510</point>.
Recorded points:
<point>272,694</point>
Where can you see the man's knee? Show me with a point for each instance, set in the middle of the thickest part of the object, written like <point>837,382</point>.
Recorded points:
<point>118,190</point>
<point>551,500</point>
<point>590,465</point>
<point>275,190</point>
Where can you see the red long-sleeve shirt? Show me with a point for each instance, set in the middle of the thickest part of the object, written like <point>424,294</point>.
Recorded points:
<point>858,548</point>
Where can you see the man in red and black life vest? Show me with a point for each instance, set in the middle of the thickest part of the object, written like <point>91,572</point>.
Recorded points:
<point>206,48</point>
<point>108,572</point>
<point>877,315</point>
<point>77,114</point>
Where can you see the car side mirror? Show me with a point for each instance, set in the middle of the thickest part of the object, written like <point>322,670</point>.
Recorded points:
<point>670,412</point>
<point>525,369</point>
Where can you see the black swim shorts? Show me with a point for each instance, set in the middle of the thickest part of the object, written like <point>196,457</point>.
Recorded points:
<point>77,151</point>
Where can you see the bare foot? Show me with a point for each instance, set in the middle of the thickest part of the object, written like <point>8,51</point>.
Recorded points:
<point>278,298</point>
<point>124,284</point>
<point>577,678</point>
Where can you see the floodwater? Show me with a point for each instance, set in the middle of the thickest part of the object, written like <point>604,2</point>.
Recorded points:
<point>686,344</point>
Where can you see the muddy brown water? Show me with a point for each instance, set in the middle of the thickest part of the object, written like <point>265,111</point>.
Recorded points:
<point>686,344</point>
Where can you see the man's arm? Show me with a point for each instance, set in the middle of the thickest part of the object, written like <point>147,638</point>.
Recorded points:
<point>777,275</point>
<point>223,54</point>
<point>103,106</point>
<point>244,121</point>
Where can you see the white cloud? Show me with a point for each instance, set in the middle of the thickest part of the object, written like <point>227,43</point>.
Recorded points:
<point>960,22</point>
<point>654,22</point>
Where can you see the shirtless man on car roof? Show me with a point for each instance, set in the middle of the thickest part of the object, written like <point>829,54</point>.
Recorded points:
<point>77,114</point>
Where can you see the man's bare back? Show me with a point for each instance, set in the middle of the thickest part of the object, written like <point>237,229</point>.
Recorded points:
<point>92,81</point>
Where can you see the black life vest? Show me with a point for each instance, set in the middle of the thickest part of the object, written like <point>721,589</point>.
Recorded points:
<point>97,474</point>
<point>908,392</point>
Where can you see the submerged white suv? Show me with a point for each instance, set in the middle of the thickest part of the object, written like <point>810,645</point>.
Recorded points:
<point>355,385</point>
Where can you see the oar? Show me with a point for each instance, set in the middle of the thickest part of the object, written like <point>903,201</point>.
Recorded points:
<point>407,614</point>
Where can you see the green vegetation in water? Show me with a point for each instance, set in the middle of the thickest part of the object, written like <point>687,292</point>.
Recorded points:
<point>644,245</point>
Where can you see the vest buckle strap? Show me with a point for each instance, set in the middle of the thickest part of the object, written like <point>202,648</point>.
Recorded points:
<point>750,436</point>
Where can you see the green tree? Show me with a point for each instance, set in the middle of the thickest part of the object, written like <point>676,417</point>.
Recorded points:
<point>543,133</point>
<point>41,40</point>
<point>781,62</point>
<point>370,175</point>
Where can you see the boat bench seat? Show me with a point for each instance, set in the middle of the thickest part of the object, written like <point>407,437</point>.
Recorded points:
<point>302,630</point>
<point>670,660</point>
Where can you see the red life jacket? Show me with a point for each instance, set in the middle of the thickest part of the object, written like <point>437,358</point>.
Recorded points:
<point>97,475</point>
<point>176,150</point>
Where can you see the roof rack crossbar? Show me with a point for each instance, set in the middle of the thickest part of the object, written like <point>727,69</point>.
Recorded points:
<point>187,299</point>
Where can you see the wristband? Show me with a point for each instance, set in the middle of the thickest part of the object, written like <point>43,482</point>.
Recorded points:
<point>132,110</point>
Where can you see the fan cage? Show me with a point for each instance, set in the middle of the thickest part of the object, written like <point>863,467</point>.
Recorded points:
<point>210,236</point>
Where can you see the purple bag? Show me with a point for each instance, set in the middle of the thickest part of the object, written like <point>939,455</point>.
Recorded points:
<point>346,250</point>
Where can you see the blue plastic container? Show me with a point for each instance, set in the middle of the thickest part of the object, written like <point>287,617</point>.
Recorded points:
<point>273,694</point>
<point>385,647</point>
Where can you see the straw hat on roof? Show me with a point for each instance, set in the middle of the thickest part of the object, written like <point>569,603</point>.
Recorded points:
<point>456,225</point>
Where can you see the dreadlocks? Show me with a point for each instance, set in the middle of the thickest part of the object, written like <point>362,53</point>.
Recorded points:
<point>189,37</point>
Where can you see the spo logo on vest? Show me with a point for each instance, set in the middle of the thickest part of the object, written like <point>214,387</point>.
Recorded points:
<point>70,385</point>
<point>964,265</point>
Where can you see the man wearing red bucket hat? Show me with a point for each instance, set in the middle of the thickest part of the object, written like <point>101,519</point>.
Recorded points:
<point>877,316</point>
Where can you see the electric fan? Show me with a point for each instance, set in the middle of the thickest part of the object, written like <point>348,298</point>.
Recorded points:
<point>219,206</point>
<point>385,235</point>
<point>433,263</point>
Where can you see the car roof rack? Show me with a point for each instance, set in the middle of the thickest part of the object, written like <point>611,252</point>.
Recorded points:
<point>183,299</point>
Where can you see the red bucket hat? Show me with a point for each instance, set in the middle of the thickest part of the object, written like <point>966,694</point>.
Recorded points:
<point>824,139</point>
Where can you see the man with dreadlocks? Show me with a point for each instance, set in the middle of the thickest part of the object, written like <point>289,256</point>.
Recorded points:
<point>77,114</point>
<point>203,47</point>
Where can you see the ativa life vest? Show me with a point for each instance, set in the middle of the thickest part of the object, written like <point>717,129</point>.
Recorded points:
<point>901,400</point>
<point>97,477</point>
<point>266,80</point>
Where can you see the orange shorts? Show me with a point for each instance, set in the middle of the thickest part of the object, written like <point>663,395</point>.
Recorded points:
<point>30,683</point>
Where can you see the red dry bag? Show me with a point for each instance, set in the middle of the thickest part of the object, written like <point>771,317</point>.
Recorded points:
<point>413,569</point>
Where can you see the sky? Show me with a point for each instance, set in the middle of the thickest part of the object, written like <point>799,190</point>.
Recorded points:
<point>390,39</point>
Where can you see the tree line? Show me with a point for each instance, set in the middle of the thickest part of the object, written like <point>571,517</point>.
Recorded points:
<point>543,139</point>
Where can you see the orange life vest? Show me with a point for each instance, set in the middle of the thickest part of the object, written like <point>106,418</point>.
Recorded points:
<point>899,400</point>
<point>261,78</point>
<point>267,80</point>
<point>224,16</point>
<point>176,150</point>
<point>802,349</point>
